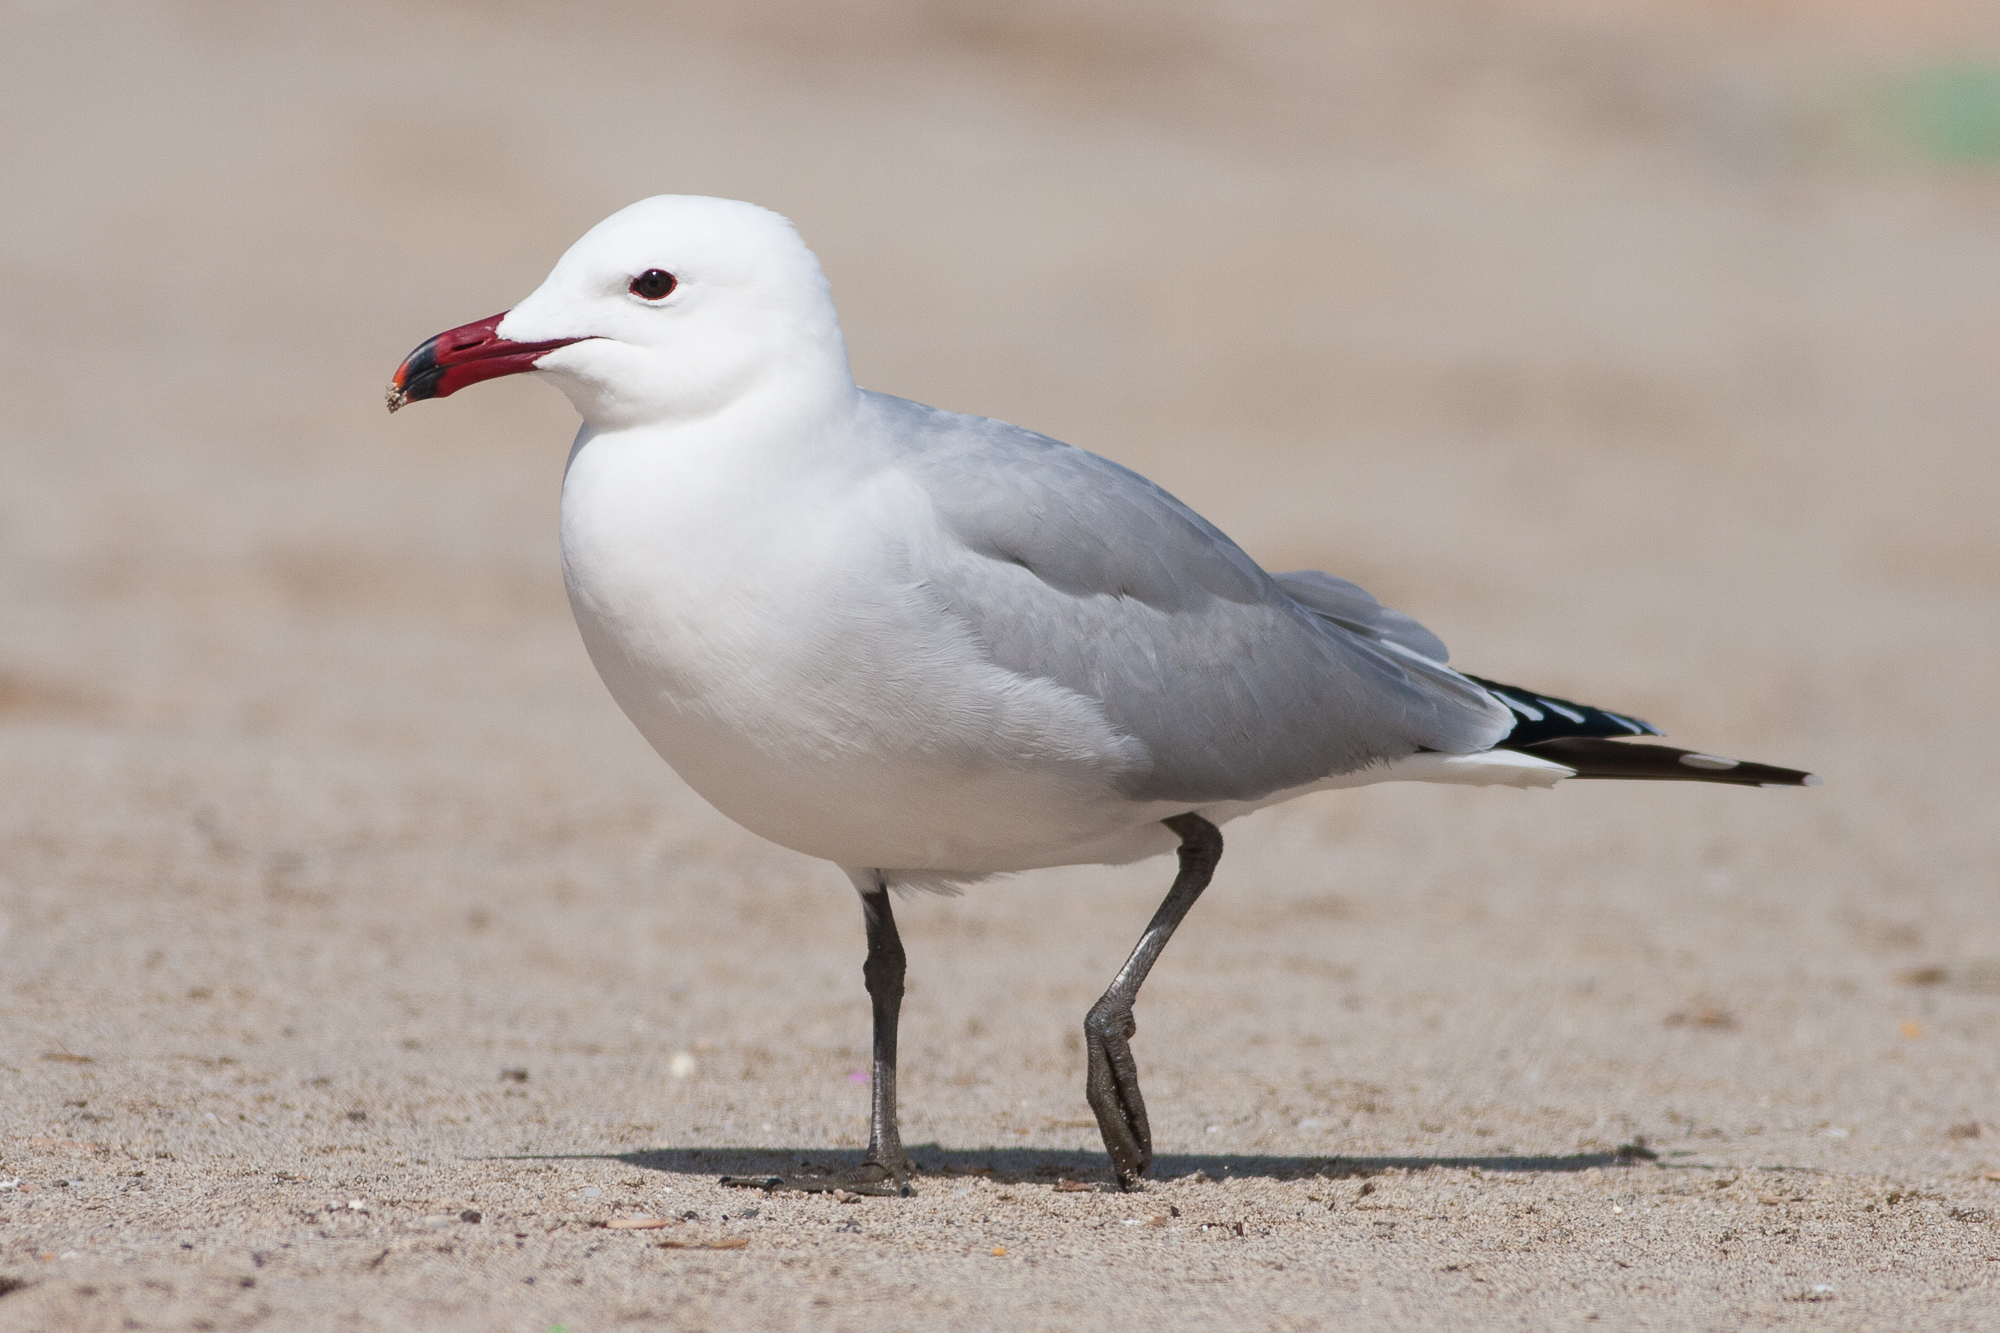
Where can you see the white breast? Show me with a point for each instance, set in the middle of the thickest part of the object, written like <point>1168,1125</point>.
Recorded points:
<point>754,612</point>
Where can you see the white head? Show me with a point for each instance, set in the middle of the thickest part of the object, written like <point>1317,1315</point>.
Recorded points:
<point>670,310</point>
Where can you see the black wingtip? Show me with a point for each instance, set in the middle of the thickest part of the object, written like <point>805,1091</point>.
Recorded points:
<point>1600,757</point>
<point>1544,717</point>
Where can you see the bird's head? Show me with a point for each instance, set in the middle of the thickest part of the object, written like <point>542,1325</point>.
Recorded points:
<point>669,310</point>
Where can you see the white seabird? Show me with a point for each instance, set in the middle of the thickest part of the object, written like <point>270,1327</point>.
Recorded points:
<point>931,647</point>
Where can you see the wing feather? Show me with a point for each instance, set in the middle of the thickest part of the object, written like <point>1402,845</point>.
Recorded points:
<point>1073,569</point>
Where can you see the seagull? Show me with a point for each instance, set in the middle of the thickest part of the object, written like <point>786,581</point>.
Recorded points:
<point>933,648</point>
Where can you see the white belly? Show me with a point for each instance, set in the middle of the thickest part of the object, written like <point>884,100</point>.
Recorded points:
<point>760,627</point>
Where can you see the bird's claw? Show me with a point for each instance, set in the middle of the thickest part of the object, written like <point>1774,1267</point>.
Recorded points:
<point>1112,1086</point>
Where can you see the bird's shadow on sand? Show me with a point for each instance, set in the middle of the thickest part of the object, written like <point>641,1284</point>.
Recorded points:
<point>1023,1165</point>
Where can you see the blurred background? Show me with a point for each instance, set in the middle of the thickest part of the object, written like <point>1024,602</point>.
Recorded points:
<point>1646,351</point>
<point>1629,343</point>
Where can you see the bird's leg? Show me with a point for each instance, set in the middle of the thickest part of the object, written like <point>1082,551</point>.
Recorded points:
<point>887,1168</point>
<point>884,974</point>
<point>1112,1084</point>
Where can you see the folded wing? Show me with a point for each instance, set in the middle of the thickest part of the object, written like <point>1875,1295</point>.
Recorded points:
<point>1072,569</point>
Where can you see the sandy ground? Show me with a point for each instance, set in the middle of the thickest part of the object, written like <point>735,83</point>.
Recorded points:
<point>358,962</point>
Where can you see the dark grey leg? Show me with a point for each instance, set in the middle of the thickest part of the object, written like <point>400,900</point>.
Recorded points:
<point>884,974</point>
<point>1112,1084</point>
<point>887,1169</point>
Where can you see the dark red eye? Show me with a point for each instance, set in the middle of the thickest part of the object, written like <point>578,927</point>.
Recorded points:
<point>654,284</point>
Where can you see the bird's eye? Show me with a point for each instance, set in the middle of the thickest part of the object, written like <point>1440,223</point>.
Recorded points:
<point>654,284</point>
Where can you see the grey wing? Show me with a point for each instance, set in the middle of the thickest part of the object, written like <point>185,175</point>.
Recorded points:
<point>1355,609</point>
<point>1073,569</point>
